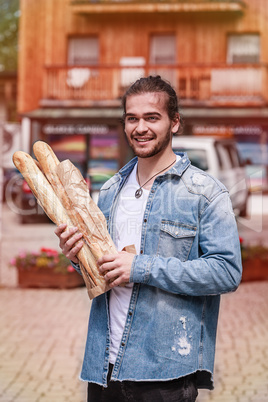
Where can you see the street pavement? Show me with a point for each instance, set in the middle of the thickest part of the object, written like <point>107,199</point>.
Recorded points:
<point>43,332</point>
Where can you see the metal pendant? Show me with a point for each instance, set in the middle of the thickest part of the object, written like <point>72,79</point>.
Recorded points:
<point>138,193</point>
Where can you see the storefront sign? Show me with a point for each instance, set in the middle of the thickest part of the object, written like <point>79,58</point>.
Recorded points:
<point>75,129</point>
<point>227,131</point>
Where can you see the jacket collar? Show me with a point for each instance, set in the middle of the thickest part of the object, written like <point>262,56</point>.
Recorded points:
<point>177,169</point>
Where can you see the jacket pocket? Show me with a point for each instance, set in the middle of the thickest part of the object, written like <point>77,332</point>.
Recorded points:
<point>175,240</point>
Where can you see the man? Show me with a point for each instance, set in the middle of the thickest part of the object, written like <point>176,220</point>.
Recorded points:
<point>152,336</point>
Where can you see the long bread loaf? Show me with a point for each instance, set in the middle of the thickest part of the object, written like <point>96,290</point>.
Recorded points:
<point>53,207</point>
<point>91,222</point>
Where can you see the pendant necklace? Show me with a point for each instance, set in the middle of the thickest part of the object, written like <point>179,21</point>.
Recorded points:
<point>139,192</point>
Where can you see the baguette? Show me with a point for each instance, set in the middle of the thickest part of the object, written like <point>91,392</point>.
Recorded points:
<point>83,205</point>
<point>49,163</point>
<point>40,187</point>
<point>52,206</point>
<point>83,213</point>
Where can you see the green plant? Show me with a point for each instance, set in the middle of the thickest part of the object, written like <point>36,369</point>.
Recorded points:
<point>46,258</point>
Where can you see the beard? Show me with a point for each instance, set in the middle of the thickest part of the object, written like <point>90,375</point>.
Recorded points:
<point>151,151</point>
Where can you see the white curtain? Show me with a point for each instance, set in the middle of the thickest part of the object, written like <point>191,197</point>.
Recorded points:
<point>243,48</point>
<point>163,49</point>
<point>83,51</point>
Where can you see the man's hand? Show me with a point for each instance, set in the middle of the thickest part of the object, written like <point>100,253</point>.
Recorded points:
<point>69,241</point>
<point>116,268</point>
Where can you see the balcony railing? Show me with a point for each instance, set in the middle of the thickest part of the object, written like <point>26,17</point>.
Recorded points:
<point>195,84</point>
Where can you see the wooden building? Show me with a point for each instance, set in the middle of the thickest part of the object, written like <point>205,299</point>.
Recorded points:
<point>77,57</point>
<point>8,96</point>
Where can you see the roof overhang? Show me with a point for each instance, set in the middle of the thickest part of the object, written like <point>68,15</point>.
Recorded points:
<point>175,6</point>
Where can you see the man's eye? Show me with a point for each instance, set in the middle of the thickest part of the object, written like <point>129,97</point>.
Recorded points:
<point>131,119</point>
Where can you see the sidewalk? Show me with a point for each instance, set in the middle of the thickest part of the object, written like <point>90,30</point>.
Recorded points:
<point>42,339</point>
<point>43,334</point>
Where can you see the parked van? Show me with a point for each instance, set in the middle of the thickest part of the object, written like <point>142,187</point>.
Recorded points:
<point>220,158</point>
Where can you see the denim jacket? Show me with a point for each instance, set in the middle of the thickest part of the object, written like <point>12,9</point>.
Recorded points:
<point>190,254</point>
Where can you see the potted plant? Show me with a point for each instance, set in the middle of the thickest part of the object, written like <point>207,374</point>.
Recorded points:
<point>254,261</point>
<point>46,268</point>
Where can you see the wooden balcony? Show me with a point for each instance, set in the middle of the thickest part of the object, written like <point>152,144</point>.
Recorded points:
<point>197,85</point>
<point>163,6</point>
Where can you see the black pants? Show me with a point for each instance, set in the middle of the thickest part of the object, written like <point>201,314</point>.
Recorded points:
<point>180,390</point>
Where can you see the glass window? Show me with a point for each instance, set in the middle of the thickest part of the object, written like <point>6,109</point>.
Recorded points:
<point>198,157</point>
<point>243,49</point>
<point>83,51</point>
<point>163,51</point>
<point>235,156</point>
<point>224,156</point>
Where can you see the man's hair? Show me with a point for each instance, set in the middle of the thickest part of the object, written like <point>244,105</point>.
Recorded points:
<point>154,84</point>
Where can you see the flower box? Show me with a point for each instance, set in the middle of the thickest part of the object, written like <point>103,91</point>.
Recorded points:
<point>46,269</point>
<point>42,278</point>
<point>254,261</point>
<point>255,269</point>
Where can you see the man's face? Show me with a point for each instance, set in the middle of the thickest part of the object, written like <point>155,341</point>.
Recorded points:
<point>147,125</point>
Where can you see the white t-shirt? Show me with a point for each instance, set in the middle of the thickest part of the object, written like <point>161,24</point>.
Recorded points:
<point>128,218</point>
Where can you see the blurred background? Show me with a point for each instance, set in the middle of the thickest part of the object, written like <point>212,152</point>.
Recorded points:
<point>64,66</point>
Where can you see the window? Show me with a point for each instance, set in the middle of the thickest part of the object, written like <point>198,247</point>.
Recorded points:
<point>198,157</point>
<point>83,51</point>
<point>243,49</point>
<point>224,156</point>
<point>163,51</point>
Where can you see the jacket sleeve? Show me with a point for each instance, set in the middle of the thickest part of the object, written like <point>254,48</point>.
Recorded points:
<point>218,269</point>
<point>76,267</point>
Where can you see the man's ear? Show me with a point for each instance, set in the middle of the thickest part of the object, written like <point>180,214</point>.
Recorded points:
<point>175,124</point>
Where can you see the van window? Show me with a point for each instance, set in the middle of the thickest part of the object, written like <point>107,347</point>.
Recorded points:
<point>236,157</point>
<point>224,155</point>
<point>198,157</point>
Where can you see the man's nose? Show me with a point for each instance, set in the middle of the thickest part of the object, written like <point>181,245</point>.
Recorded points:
<point>141,126</point>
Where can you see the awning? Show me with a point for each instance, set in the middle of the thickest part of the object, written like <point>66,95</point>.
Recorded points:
<point>74,113</point>
<point>116,113</point>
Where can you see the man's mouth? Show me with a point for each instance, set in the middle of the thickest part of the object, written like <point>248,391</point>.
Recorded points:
<point>143,139</point>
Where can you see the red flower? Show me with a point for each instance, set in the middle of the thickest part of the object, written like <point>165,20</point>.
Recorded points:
<point>70,268</point>
<point>49,251</point>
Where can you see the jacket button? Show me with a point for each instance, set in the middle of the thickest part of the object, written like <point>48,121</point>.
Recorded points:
<point>123,344</point>
<point>145,220</point>
<point>130,313</point>
<point>141,252</point>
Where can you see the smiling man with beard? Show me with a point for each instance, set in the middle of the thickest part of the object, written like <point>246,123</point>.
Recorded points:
<point>152,336</point>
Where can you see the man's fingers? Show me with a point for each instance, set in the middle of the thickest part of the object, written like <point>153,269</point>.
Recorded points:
<point>107,258</point>
<point>68,233</point>
<point>72,240</point>
<point>71,253</point>
<point>116,268</point>
<point>59,229</point>
<point>69,241</point>
<point>117,281</point>
<point>107,266</point>
<point>69,238</point>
